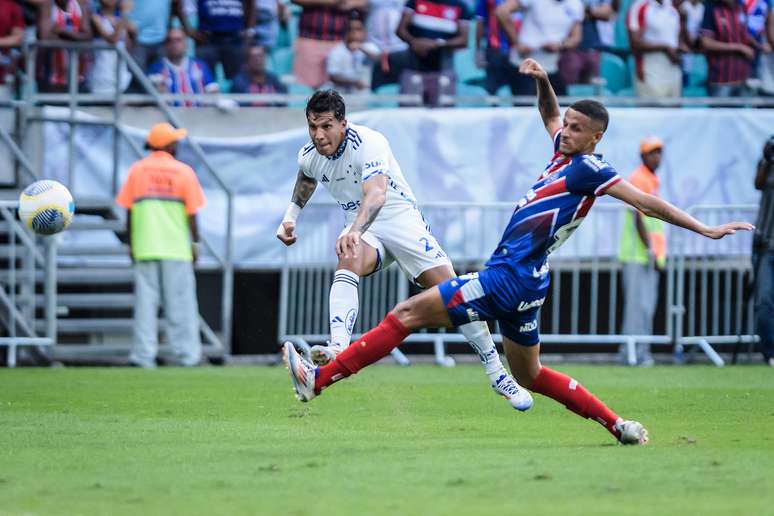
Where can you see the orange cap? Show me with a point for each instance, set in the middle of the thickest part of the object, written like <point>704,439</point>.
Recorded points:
<point>163,134</point>
<point>650,143</point>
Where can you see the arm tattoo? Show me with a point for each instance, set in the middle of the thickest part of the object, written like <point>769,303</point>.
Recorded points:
<point>371,213</point>
<point>547,104</point>
<point>303,189</point>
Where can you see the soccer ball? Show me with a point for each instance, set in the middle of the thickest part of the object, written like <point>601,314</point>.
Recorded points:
<point>46,207</point>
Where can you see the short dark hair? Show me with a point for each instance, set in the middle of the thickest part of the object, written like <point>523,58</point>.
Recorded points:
<point>325,101</point>
<point>594,110</point>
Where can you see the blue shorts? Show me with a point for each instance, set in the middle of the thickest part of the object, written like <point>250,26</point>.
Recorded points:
<point>512,297</point>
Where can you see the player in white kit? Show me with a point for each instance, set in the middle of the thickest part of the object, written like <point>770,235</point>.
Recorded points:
<point>384,224</point>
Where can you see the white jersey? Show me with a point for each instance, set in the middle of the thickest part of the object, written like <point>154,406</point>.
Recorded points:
<point>364,154</point>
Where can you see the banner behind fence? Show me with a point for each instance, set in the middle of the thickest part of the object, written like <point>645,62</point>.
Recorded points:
<point>479,156</point>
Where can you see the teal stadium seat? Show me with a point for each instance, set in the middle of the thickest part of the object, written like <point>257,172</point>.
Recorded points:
<point>477,93</point>
<point>581,90</point>
<point>613,69</point>
<point>697,75</point>
<point>282,61</point>
<point>465,67</point>
<point>385,89</point>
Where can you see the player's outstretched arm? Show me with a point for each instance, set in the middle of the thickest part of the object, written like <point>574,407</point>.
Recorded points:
<point>547,103</point>
<point>374,196</point>
<point>302,192</point>
<point>653,206</point>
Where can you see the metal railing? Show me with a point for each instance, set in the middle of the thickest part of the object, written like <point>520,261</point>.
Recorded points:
<point>586,293</point>
<point>32,98</point>
<point>25,261</point>
<point>712,283</point>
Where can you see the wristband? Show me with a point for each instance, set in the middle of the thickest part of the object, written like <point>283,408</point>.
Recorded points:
<point>291,214</point>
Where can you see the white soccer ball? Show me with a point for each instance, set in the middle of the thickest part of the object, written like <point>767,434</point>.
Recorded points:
<point>46,207</point>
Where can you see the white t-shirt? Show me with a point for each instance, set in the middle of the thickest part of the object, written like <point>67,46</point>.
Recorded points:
<point>694,14</point>
<point>382,23</point>
<point>352,66</point>
<point>548,21</point>
<point>659,22</point>
<point>365,153</point>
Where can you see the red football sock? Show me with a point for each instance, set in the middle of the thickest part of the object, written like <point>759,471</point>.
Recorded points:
<point>371,347</point>
<point>575,397</point>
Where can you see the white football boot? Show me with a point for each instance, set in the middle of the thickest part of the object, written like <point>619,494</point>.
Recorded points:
<point>322,355</point>
<point>302,372</point>
<point>515,394</point>
<point>631,432</point>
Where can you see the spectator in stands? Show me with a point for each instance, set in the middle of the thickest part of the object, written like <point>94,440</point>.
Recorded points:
<point>178,73</point>
<point>691,16</point>
<point>724,39</point>
<point>433,29</point>
<point>766,64</point>
<point>350,63</point>
<point>323,23</point>
<point>643,254</point>
<point>65,21</point>
<point>256,78</point>
<point>606,28</point>
<point>763,253</point>
<point>269,16</point>
<point>654,35</point>
<point>495,58</point>
<point>581,64</point>
<point>11,38</point>
<point>382,25</point>
<point>223,27</point>
<point>111,25</point>
<point>163,196</point>
<point>758,15</point>
<point>549,28</point>
<point>153,19</point>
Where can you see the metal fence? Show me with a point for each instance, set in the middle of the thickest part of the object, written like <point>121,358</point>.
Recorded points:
<point>25,261</point>
<point>701,300</point>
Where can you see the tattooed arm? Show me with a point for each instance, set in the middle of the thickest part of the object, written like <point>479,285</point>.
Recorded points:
<point>547,103</point>
<point>302,192</point>
<point>374,195</point>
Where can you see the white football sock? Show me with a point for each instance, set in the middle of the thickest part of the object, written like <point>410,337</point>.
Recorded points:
<point>479,337</point>
<point>343,304</point>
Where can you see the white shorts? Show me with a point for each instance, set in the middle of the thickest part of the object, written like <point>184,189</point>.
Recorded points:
<point>405,238</point>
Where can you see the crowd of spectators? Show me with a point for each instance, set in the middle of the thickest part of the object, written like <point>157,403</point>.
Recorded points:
<point>207,46</point>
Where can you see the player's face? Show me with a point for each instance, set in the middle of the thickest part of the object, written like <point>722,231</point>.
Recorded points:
<point>580,134</point>
<point>326,132</point>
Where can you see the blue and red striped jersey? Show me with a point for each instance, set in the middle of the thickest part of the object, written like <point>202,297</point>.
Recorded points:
<point>554,207</point>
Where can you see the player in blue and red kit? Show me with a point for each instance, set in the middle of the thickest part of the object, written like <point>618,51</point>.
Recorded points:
<point>514,283</point>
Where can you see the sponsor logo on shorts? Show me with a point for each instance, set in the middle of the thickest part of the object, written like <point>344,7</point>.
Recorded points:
<point>528,327</point>
<point>473,315</point>
<point>524,305</point>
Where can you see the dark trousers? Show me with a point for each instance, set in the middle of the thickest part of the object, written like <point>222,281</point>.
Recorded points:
<point>763,266</point>
<point>500,72</point>
<point>226,48</point>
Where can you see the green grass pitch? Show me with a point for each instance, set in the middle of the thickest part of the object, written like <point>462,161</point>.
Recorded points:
<point>418,440</point>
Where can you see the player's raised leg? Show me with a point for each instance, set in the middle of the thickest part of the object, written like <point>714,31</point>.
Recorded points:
<point>526,367</point>
<point>343,301</point>
<point>425,310</point>
<point>478,336</point>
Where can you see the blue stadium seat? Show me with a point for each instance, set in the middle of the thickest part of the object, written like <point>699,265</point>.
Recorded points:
<point>385,89</point>
<point>282,61</point>
<point>581,90</point>
<point>613,69</point>
<point>697,75</point>
<point>470,90</point>
<point>621,34</point>
<point>465,66</point>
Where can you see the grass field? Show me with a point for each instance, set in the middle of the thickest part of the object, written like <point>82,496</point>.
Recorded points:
<point>418,440</point>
